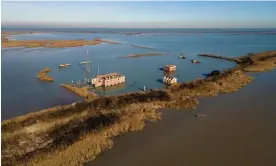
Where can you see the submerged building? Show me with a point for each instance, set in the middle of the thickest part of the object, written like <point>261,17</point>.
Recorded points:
<point>169,68</point>
<point>107,80</point>
<point>169,80</point>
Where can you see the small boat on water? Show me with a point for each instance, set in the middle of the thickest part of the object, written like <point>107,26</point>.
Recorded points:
<point>181,57</point>
<point>196,61</point>
<point>85,62</point>
<point>64,65</point>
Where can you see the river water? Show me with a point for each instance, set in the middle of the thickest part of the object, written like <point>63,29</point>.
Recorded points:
<point>23,93</point>
<point>238,130</point>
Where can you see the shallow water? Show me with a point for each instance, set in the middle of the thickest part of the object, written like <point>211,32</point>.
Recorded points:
<point>23,93</point>
<point>238,130</point>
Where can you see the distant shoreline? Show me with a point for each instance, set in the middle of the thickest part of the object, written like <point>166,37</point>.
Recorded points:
<point>139,31</point>
<point>7,43</point>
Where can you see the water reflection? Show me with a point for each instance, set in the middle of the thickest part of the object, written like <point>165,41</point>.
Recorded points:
<point>105,90</point>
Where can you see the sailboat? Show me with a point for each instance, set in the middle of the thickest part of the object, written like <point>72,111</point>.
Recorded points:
<point>98,70</point>
<point>85,62</point>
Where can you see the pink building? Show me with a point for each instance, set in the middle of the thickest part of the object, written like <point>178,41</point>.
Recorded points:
<point>108,80</point>
<point>169,68</point>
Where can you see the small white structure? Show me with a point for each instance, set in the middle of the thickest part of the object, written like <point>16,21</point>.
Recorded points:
<point>64,65</point>
<point>195,61</point>
<point>169,80</point>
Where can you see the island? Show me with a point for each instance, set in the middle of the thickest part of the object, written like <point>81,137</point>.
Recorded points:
<point>142,55</point>
<point>42,75</point>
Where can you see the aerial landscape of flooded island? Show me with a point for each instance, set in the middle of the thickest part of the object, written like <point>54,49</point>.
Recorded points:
<point>75,133</point>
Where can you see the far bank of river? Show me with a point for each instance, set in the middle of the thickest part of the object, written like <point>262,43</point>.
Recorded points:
<point>239,129</point>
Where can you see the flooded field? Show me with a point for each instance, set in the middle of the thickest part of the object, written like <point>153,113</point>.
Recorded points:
<point>22,92</point>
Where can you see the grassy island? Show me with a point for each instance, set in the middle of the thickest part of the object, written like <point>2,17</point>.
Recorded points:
<point>48,43</point>
<point>142,55</point>
<point>42,75</point>
<point>70,135</point>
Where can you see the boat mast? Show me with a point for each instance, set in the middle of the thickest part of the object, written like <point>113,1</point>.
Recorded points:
<point>98,70</point>
<point>88,62</point>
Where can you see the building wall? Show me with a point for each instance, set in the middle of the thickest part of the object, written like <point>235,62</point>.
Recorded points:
<point>167,80</point>
<point>96,82</point>
<point>170,68</point>
<point>107,82</point>
<point>114,81</point>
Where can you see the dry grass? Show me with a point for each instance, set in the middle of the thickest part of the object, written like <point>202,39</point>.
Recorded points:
<point>261,66</point>
<point>17,122</point>
<point>90,145</point>
<point>42,75</point>
<point>81,138</point>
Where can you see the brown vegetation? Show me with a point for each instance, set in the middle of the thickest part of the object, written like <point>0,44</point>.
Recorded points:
<point>261,62</point>
<point>73,134</point>
<point>42,75</point>
<point>48,43</point>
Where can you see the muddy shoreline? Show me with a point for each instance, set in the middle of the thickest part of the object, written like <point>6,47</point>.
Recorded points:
<point>81,131</point>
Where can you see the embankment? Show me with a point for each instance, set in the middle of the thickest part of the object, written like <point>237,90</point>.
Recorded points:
<point>81,131</point>
<point>109,41</point>
<point>220,57</point>
<point>83,91</point>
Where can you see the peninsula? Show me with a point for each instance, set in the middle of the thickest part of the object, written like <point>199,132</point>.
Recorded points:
<point>6,43</point>
<point>70,135</point>
<point>48,43</point>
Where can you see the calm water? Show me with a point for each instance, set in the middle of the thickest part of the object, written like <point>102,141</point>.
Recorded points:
<point>23,93</point>
<point>238,130</point>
